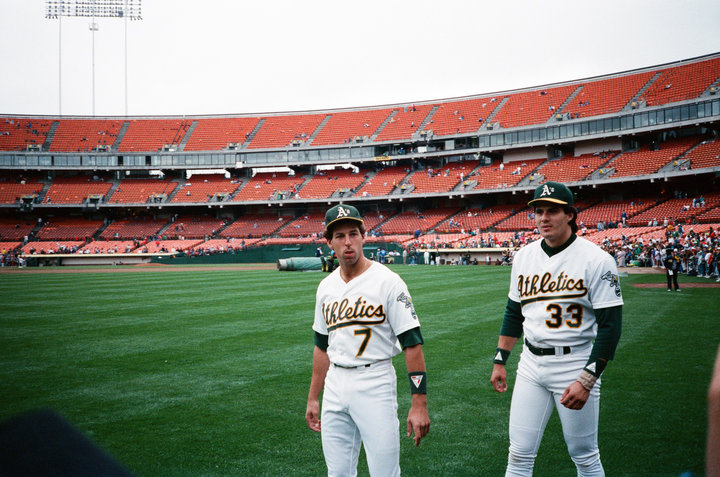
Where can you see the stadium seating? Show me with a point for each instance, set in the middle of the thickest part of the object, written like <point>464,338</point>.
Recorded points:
<point>305,225</point>
<point>138,229</point>
<point>255,225</point>
<point>215,134</point>
<point>167,246</point>
<point>14,187</point>
<point>15,229</point>
<point>458,117</point>
<point>383,182</point>
<point>611,211</point>
<point>532,107</point>
<point>193,226</point>
<point>6,247</point>
<point>477,219</point>
<point>18,134</point>
<point>281,131</point>
<point>77,189</point>
<point>223,245</point>
<point>68,228</point>
<point>441,180</point>
<point>411,221</point>
<point>205,188</point>
<point>140,191</point>
<point>351,126</point>
<point>572,169</point>
<point>146,135</point>
<point>328,182</point>
<point>606,96</point>
<point>647,161</point>
<point>682,82</point>
<point>404,123</point>
<point>267,185</point>
<point>82,135</point>
<point>108,246</point>
<point>706,154</point>
<point>500,175</point>
<point>52,247</point>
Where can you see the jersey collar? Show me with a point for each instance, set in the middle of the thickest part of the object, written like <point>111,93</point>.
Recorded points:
<point>550,251</point>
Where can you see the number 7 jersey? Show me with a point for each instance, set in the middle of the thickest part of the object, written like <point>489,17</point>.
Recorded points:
<point>559,293</point>
<point>363,317</point>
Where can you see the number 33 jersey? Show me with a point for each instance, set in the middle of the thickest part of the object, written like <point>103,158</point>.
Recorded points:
<point>363,317</point>
<point>558,293</point>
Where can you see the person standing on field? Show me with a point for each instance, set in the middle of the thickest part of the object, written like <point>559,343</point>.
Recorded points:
<point>565,298</point>
<point>363,317</point>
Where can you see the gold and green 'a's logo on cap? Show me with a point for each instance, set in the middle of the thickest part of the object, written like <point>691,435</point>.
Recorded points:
<point>341,212</point>
<point>554,192</point>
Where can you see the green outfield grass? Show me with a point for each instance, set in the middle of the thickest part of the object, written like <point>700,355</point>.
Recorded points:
<point>206,373</point>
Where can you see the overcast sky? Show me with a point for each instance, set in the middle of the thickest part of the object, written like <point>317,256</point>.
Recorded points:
<point>235,56</point>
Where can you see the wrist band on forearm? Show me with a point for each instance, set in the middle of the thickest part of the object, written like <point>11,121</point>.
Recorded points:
<point>418,382</point>
<point>587,379</point>
<point>501,356</point>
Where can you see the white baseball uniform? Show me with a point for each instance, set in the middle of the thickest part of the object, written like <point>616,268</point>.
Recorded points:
<point>558,295</point>
<point>362,319</point>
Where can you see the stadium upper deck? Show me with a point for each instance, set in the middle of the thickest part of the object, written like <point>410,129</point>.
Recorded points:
<point>539,114</point>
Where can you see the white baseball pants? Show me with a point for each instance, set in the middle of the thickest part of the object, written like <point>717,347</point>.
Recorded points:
<point>540,383</point>
<point>360,406</point>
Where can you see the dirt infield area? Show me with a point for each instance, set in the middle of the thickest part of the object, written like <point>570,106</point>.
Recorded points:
<point>712,284</point>
<point>141,268</point>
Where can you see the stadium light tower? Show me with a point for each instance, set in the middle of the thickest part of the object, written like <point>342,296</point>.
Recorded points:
<point>126,9</point>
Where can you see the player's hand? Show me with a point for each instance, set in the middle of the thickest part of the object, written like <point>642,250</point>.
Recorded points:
<point>312,415</point>
<point>418,418</point>
<point>575,396</point>
<point>499,378</point>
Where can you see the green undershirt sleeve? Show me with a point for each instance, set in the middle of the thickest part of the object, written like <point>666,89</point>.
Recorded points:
<point>321,341</point>
<point>609,327</point>
<point>512,324</point>
<point>411,337</point>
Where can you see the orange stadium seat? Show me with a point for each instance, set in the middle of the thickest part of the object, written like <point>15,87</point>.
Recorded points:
<point>16,134</point>
<point>706,154</point>
<point>82,135</point>
<point>383,182</point>
<point>77,189</point>
<point>305,225</point>
<point>255,225</point>
<point>15,229</point>
<point>458,117</point>
<point>215,134</point>
<point>500,175</point>
<point>325,183</point>
<point>148,135</point>
<point>205,188</point>
<point>266,185</point>
<point>281,131</point>
<point>193,226</point>
<point>68,229</point>
<point>572,169</point>
<point>606,96</point>
<point>476,219</point>
<point>405,123</point>
<point>138,229</point>
<point>682,82</point>
<point>140,191</point>
<point>648,161</point>
<point>532,107</point>
<point>443,179</point>
<point>350,126</point>
<point>408,222</point>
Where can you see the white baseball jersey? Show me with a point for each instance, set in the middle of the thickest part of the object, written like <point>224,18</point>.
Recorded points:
<point>363,317</point>
<point>558,293</point>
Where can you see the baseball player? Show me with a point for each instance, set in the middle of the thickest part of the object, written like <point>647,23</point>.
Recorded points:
<point>363,316</point>
<point>565,297</point>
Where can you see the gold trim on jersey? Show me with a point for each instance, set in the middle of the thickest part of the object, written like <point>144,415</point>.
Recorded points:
<point>340,314</point>
<point>546,287</point>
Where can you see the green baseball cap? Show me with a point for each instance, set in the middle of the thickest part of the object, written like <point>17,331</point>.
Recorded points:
<point>553,192</point>
<point>341,212</point>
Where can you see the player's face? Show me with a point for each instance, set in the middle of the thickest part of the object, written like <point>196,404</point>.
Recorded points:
<point>553,223</point>
<point>347,242</point>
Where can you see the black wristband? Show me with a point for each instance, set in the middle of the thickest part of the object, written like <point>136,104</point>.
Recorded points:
<point>501,356</point>
<point>418,382</point>
<point>595,367</point>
